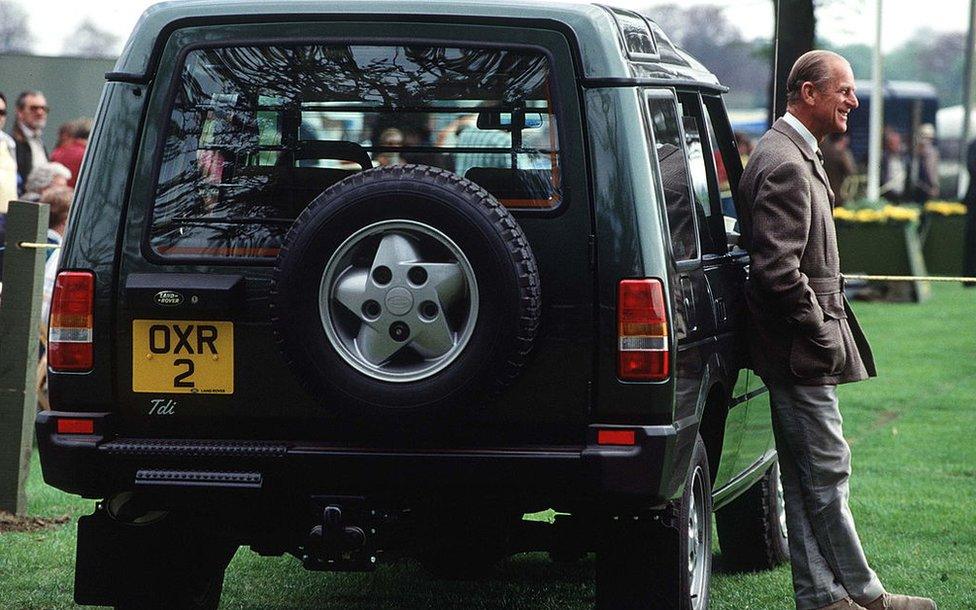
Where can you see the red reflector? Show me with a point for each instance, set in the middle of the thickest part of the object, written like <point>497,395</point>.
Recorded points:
<point>643,343</point>
<point>76,426</point>
<point>616,437</point>
<point>70,330</point>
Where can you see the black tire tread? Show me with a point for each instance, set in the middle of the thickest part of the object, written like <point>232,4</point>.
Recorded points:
<point>746,529</point>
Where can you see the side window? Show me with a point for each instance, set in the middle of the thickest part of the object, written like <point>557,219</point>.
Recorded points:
<point>712,238</point>
<point>668,146</point>
<point>728,164</point>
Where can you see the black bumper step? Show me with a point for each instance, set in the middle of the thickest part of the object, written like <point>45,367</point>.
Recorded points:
<point>199,478</point>
<point>193,448</point>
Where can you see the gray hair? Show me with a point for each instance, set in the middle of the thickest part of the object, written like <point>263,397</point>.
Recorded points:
<point>43,175</point>
<point>812,66</point>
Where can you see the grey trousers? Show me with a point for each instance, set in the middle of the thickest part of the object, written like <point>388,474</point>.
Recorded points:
<point>815,462</point>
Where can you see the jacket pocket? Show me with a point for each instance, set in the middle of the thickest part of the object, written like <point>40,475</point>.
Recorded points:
<point>821,354</point>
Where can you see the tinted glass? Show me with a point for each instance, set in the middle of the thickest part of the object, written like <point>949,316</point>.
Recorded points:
<point>256,133</point>
<point>696,150</point>
<point>728,163</point>
<point>636,33</point>
<point>669,147</point>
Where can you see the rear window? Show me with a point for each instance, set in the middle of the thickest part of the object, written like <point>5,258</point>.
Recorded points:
<point>256,133</point>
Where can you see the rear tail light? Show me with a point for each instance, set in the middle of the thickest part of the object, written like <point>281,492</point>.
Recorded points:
<point>642,331</point>
<point>69,341</point>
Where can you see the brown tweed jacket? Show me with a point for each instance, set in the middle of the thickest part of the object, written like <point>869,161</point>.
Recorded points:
<point>802,329</point>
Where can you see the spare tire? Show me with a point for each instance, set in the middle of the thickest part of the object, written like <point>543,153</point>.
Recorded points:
<point>405,289</point>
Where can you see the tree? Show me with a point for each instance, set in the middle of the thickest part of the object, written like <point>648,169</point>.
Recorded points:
<point>933,57</point>
<point>15,34</point>
<point>89,40</point>
<point>737,63</point>
<point>796,25</point>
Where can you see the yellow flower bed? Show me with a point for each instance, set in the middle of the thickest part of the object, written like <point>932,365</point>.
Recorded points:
<point>889,212</point>
<point>945,208</point>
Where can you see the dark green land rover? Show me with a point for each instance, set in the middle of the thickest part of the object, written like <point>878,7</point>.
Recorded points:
<point>362,281</point>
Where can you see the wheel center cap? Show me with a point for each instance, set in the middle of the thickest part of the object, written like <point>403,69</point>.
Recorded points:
<point>399,301</point>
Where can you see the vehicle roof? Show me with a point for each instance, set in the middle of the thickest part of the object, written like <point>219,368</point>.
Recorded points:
<point>593,26</point>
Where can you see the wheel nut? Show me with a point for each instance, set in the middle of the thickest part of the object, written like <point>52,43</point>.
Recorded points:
<point>428,309</point>
<point>399,331</point>
<point>382,275</point>
<point>417,275</point>
<point>371,309</point>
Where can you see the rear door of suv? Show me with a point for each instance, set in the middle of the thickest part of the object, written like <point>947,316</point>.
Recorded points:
<point>220,177</point>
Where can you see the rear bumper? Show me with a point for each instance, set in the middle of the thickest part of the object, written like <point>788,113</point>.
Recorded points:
<point>100,464</point>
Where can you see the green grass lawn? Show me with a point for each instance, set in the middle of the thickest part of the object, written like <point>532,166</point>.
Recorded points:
<point>913,496</point>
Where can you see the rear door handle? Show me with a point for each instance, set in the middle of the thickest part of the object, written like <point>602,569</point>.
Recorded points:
<point>721,313</point>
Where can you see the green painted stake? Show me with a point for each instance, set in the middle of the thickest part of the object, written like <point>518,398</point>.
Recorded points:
<point>20,313</point>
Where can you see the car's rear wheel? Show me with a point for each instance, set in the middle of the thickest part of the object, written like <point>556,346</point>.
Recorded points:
<point>752,528</point>
<point>644,563</point>
<point>168,563</point>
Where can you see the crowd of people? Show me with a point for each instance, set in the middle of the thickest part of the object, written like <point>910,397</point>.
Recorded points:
<point>29,173</point>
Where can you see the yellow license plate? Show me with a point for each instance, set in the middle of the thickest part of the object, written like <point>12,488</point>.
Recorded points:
<point>183,356</point>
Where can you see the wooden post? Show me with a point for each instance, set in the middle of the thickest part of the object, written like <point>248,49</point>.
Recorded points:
<point>20,312</point>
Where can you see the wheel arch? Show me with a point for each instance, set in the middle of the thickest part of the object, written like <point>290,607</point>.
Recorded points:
<point>711,426</point>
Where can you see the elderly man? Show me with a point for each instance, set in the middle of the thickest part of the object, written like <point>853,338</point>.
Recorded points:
<point>28,131</point>
<point>805,339</point>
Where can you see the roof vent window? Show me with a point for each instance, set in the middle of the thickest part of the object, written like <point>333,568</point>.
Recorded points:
<point>636,34</point>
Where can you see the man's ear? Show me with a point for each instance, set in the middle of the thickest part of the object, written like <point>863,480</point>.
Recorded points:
<point>808,93</point>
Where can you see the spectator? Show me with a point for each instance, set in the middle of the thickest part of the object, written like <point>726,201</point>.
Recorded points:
<point>893,172</point>
<point>28,131</point>
<point>8,163</point>
<point>43,177</point>
<point>745,144</point>
<point>59,198</point>
<point>391,137</point>
<point>925,166</point>
<point>64,134</point>
<point>476,138</point>
<point>72,150</point>
<point>838,164</point>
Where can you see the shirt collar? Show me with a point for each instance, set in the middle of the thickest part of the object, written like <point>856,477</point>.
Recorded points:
<point>801,129</point>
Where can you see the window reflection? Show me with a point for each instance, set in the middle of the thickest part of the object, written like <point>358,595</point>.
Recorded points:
<point>257,132</point>
<point>674,178</point>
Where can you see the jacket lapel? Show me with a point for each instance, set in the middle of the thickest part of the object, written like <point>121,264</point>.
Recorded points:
<point>810,155</point>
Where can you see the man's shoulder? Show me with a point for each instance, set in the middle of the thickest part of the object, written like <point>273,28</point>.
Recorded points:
<point>773,150</point>
<point>777,142</point>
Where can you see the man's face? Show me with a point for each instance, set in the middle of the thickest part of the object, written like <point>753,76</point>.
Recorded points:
<point>34,112</point>
<point>834,102</point>
<point>3,113</point>
<point>893,141</point>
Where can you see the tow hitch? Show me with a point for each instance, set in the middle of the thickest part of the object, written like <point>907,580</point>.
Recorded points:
<point>344,540</point>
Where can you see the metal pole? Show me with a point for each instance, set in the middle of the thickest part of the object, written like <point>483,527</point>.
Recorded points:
<point>967,100</point>
<point>20,315</point>
<point>876,124</point>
